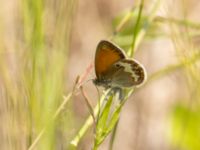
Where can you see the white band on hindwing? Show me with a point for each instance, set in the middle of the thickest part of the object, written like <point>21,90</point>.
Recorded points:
<point>128,68</point>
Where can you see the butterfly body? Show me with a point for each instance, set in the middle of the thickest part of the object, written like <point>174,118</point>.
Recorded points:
<point>114,70</point>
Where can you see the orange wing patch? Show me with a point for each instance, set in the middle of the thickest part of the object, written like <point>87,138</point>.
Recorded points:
<point>106,55</point>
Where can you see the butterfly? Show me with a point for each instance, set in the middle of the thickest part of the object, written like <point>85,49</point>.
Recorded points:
<point>114,70</point>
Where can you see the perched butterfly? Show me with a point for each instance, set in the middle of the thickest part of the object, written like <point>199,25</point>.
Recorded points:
<point>114,70</point>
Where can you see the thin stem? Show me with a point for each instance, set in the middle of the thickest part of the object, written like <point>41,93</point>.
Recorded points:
<point>136,29</point>
<point>88,122</point>
<point>88,104</point>
<point>182,22</point>
<point>111,144</point>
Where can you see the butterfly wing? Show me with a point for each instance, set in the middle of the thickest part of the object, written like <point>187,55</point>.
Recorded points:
<point>129,73</point>
<point>106,55</point>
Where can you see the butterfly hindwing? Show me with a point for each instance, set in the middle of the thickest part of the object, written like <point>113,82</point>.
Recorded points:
<point>129,73</point>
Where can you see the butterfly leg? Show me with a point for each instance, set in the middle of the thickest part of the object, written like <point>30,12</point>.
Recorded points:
<point>110,93</point>
<point>119,93</point>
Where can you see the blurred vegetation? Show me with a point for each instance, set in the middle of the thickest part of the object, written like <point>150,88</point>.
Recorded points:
<point>33,75</point>
<point>34,85</point>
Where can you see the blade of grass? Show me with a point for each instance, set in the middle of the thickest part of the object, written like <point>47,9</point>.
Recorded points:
<point>74,142</point>
<point>102,121</point>
<point>66,99</point>
<point>136,30</point>
<point>111,143</point>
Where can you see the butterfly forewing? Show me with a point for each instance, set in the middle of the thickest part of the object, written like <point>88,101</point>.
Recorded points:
<point>106,55</point>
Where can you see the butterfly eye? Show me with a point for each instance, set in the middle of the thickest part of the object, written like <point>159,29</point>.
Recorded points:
<point>117,65</point>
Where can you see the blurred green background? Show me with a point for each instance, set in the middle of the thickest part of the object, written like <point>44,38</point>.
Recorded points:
<point>46,44</point>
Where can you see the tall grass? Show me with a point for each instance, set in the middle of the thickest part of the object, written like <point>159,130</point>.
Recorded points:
<point>34,86</point>
<point>33,75</point>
